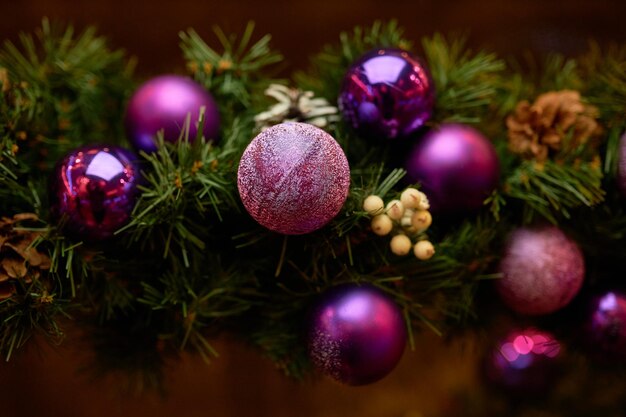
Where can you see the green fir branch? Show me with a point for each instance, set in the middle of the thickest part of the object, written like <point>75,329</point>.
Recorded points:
<point>236,73</point>
<point>465,81</point>
<point>34,309</point>
<point>328,67</point>
<point>605,71</point>
<point>187,185</point>
<point>553,190</point>
<point>65,89</point>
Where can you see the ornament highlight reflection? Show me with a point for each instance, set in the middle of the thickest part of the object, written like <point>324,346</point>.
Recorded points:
<point>94,189</point>
<point>524,362</point>
<point>387,93</point>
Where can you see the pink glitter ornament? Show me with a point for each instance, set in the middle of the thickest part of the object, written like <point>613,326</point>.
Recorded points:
<point>542,271</point>
<point>293,178</point>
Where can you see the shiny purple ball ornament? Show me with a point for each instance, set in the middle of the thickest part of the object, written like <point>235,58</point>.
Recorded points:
<point>605,329</point>
<point>356,334</point>
<point>93,191</point>
<point>526,361</point>
<point>457,167</point>
<point>387,93</point>
<point>293,178</point>
<point>542,270</point>
<point>165,103</point>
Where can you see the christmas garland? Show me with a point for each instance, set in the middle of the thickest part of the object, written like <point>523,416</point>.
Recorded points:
<point>325,235</point>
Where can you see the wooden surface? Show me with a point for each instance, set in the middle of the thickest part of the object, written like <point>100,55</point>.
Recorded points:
<point>149,28</point>
<point>241,383</point>
<point>47,382</point>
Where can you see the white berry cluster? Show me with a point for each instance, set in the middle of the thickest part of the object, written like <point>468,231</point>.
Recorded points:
<point>407,217</point>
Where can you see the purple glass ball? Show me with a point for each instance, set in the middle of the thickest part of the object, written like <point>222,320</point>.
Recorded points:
<point>606,326</point>
<point>165,103</point>
<point>456,166</point>
<point>94,189</point>
<point>387,93</point>
<point>524,362</point>
<point>293,178</point>
<point>542,270</point>
<point>356,334</point>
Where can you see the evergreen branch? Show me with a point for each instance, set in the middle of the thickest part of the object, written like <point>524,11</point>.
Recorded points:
<point>553,190</point>
<point>185,181</point>
<point>34,309</point>
<point>328,67</point>
<point>605,71</point>
<point>61,90</point>
<point>465,81</point>
<point>236,72</point>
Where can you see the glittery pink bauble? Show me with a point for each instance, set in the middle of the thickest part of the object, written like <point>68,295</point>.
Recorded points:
<point>356,334</point>
<point>94,189</point>
<point>524,362</point>
<point>165,103</point>
<point>387,93</point>
<point>457,167</point>
<point>605,329</point>
<point>293,178</point>
<point>542,270</point>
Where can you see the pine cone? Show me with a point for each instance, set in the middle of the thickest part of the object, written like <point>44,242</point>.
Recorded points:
<point>296,106</point>
<point>18,259</point>
<point>557,121</point>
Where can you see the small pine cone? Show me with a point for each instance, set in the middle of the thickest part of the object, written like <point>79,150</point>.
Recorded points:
<point>18,259</point>
<point>535,131</point>
<point>294,105</point>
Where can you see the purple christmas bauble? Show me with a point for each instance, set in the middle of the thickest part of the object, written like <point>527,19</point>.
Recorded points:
<point>165,103</point>
<point>524,362</point>
<point>542,270</point>
<point>606,327</point>
<point>456,166</point>
<point>293,178</point>
<point>94,190</point>
<point>387,93</point>
<point>356,334</point>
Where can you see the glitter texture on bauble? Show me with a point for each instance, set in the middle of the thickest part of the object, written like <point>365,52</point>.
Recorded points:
<point>542,270</point>
<point>166,103</point>
<point>356,334</point>
<point>94,190</point>
<point>387,93</point>
<point>293,178</point>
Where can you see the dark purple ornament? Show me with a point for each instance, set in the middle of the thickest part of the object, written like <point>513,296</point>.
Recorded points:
<point>94,189</point>
<point>606,328</point>
<point>524,362</point>
<point>356,334</point>
<point>542,270</point>
<point>293,178</point>
<point>387,93</point>
<point>457,167</point>
<point>165,102</point>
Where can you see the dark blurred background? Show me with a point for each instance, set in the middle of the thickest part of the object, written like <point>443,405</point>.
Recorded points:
<point>48,381</point>
<point>149,29</point>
